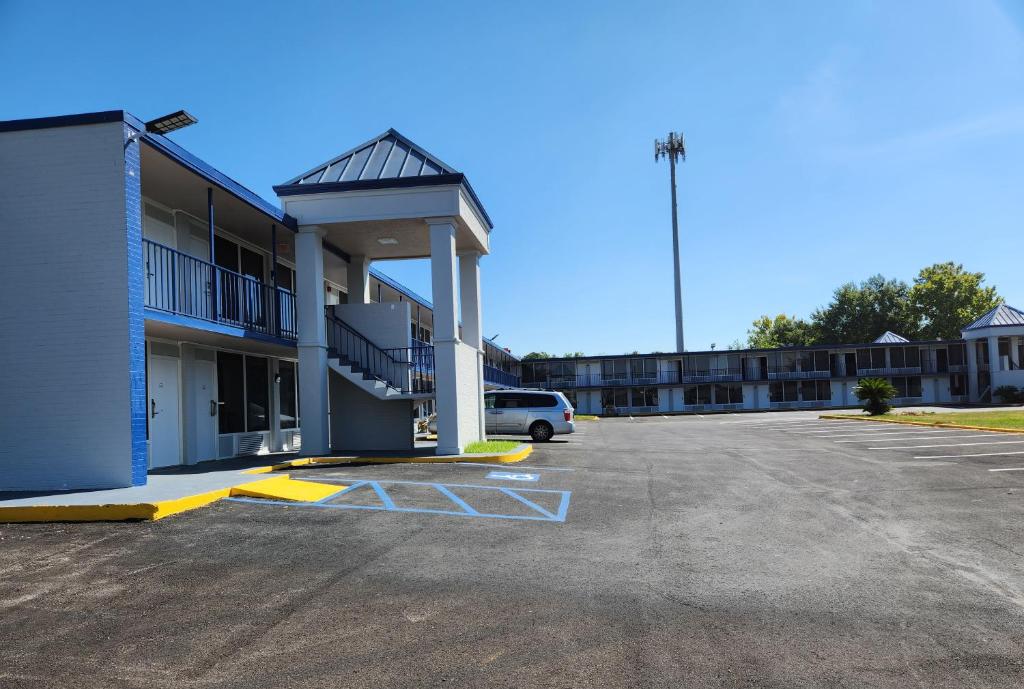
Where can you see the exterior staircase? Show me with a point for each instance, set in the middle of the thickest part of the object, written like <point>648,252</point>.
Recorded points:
<point>401,373</point>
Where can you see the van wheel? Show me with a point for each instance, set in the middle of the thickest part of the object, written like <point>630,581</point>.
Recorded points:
<point>541,431</point>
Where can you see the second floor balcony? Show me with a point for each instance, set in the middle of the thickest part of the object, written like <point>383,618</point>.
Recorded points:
<point>183,285</point>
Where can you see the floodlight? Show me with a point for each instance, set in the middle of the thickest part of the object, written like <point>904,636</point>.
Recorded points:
<point>170,123</point>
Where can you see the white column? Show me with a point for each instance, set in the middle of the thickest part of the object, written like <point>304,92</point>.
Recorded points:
<point>312,345</point>
<point>972,371</point>
<point>359,280</point>
<point>472,327</point>
<point>446,340</point>
<point>993,356</point>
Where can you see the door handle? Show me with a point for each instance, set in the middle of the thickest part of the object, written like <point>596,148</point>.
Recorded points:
<point>213,407</point>
<point>152,408</point>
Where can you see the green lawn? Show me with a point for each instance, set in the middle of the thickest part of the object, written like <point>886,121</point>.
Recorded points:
<point>491,446</point>
<point>988,419</point>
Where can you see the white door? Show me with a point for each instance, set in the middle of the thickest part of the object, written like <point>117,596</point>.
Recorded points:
<point>159,264</point>
<point>164,427</point>
<point>205,400</point>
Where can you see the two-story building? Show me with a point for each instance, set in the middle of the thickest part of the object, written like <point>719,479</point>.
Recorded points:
<point>819,377</point>
<point>165,314</point>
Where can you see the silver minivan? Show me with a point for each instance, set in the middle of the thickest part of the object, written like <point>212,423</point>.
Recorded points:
<point>539,414</point>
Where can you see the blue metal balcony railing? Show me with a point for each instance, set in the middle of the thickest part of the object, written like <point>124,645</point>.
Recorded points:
<point>185,285</point>
<point>495,376</point>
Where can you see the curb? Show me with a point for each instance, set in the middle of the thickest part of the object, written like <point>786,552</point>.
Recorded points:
<point>281,487</point>
<point>516,455</point>
<point>849,417</point>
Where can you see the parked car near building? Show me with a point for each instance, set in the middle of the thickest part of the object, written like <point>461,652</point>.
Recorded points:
<point>541,415</point>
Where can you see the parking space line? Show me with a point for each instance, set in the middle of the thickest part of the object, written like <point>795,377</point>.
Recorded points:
<point>983,454</point>
<point>878,434</point>
<point>456,499</point>
<point>465,509</point>
<point>914,447</point>
<point>1009,469</point>
<point>904,437</point>
<point>517,466</point>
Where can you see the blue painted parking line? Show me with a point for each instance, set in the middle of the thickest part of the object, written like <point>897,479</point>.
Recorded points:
<point>512,476</point>
<point>465,509</point>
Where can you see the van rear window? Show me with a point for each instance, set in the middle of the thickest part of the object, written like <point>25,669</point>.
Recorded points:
<point>520,400</point>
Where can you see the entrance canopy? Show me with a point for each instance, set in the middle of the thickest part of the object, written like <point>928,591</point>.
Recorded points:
<point>373,200</point>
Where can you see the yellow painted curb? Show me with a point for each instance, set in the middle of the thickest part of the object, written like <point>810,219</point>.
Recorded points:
<point>504,458</point>
<point>848,417</point>
<point>150,511</point>
<point>280,487</point>
<point>286,488</point>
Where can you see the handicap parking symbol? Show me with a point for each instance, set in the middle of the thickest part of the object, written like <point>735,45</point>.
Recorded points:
<point>512,476</point>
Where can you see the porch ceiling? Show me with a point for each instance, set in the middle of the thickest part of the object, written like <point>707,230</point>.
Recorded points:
<point>175,186</point>
<point>362,238</point>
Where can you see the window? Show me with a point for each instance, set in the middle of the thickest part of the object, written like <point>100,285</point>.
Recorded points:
<point>981,346</point>
<point>288,391</point>
<point>815,390</point>
<point>814,361</point>
<point>786,391</point>
<point>698,365</point>
<point>524,400</point>
<point>697,394</point>
<point>285,277</point>
<point>728,394</point>
<point>613,369</point>
<point>907,386</point>
<point>643,368</point>
<point>231,392</point>
<point>257,394</point>
<point>896,357</point>
<point>489,401</point>
<point>645,397</point>
<point>958,384</point>
<point>956,355</point>
<point>614,397</point>
<point>863,358</point>
<point>913,356</point>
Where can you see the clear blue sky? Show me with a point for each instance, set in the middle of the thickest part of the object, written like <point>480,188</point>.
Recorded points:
<point>828,141</point>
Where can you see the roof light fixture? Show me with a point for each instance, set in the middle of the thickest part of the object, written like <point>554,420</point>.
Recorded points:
<point>387,241</point>
<point>169,123</point>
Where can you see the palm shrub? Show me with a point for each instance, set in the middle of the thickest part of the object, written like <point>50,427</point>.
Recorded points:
<point>1009,393</point>
<point>875,393</point>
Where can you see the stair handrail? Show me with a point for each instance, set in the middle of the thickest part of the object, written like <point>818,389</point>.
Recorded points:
<point>371,353</point>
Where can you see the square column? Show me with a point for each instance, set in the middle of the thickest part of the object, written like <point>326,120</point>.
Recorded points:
<point>993,356</point>
<point>359,280</point>
<point>472,326</point>
<point>972,371</point>
<point>312,344</point>
<point>455,363</point>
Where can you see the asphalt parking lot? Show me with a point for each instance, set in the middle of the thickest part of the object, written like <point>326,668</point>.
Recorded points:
<point>761,550</point>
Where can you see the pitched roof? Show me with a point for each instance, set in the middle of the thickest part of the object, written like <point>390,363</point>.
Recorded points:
<point>1000,316</point>
<point>889,337</point>
<point>386,161</point>
<point>387,156</point>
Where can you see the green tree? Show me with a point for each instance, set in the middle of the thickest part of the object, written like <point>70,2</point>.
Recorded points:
<point>860,313</point>
<point>876,394</point>
<point>573,355</point>
<point>783,330</point>
<point>537,355</point>
<point>945,298</point>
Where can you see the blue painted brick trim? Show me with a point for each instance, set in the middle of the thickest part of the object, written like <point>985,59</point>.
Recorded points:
<point>136,307</point>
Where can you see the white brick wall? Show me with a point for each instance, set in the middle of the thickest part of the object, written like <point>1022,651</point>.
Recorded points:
<point>64,411</point>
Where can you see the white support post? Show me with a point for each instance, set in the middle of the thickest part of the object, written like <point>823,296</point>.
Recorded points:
<point>446,340</point>
<point>973,392</point>
<point>359,280</point>
<point>312,344</point>
<point>993,355</point>
<point>472,327</point>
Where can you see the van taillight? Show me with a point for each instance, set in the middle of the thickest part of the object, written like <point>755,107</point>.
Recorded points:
<point>568,414</point>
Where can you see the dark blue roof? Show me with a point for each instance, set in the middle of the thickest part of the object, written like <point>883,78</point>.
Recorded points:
<point>386,161</point>
<point>1003,315</point>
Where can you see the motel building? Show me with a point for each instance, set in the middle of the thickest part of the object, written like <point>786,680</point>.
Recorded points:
<point>165,315</point>
<point>968,370</point>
